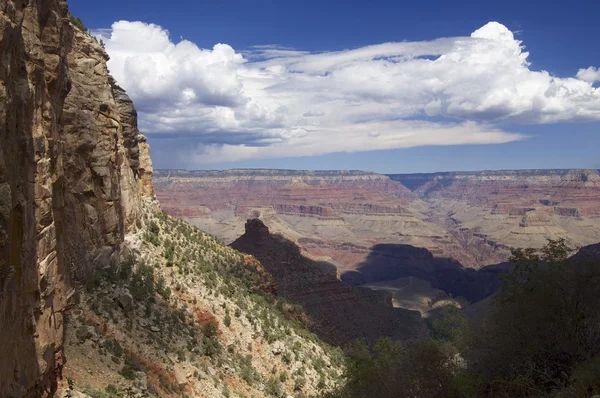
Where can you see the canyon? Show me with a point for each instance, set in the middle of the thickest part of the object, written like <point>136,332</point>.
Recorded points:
<point>515,208</point>
<point>377,228</point>
<point>103,292</point>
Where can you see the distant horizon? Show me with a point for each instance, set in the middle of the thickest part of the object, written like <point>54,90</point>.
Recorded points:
<point>373,172</point>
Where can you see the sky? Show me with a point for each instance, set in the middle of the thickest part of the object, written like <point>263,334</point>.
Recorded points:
<point>386,86</point>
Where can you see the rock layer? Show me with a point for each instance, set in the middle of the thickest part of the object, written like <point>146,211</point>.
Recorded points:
<point>73,168</point>
<point>518,208</point>
<point>337,216</point>
<point>565,192</point>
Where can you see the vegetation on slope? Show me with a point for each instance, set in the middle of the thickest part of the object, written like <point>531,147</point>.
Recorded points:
<point>182,314</point>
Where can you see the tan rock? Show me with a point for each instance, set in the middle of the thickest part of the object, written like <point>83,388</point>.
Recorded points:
<point>73,170</point>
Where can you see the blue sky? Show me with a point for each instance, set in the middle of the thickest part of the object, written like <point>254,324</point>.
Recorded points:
<point>236,122</point>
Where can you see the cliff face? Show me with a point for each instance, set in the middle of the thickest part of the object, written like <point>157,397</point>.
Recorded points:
<point>518,208</point>
<point>507,190</point>
<point>73,168</point>
<point>339,312</point>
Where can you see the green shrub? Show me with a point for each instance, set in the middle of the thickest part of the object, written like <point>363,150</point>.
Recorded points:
<point>114,347</point>
<point>142,282</point>
<point>299,383</point>
<point>544,325</point>
<point>83,333</point>
<point>129,368</point>
<point>78,23</point>
<point>451,326</point>
<point>273,388</point>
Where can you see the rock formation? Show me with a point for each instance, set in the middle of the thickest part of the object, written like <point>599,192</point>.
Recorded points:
<point>339,312</point>
<point>473,217</point>
<point>73,169</point>
<point>565,192</point>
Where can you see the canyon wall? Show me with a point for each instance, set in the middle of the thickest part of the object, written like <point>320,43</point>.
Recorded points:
<point>333,215</point>
<point>73,169</point>
<point>517,208</point>
<point>339,216</point>
<point>317,193</point>
<point>565,192</point>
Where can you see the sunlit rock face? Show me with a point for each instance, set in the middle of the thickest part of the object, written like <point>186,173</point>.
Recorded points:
<point>516,208</point>
<point>73,170</point>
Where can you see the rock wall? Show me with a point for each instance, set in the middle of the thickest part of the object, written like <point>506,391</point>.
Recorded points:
<point>505,190</point>
<point>73,169</point>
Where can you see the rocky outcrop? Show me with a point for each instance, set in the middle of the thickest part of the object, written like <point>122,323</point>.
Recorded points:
<point>339,313</point>
<point>73,168</point>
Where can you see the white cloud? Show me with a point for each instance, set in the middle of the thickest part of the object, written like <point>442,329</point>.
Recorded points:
<point>589,75</point>
<point>273,101</point>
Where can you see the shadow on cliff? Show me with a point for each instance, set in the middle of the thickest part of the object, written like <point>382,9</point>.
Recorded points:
<point>387,262</point>
<point>339,312</point>
<point>30,323</point>
<point>20,373</point>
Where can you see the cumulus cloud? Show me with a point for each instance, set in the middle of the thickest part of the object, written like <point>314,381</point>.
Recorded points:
<point>271,101</point>
<point>589,75</point>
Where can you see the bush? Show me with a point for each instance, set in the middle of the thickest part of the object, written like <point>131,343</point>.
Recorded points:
<point>142,282</point>
<point>83,333</point>
<point>114,347</point>
<point>273,388</point>
<point>154,228</point>
<point>299,383</point>
<point>129,368</point>
<point>586,378</point>
<point>211,346</point>
<point>391,370</point>
<point>451,326</point>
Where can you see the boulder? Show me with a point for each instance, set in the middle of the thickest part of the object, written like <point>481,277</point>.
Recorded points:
<point>125,299</point>
<point>277,348</point>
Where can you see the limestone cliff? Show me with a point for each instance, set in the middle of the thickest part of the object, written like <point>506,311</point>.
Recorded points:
<point>73,170</point>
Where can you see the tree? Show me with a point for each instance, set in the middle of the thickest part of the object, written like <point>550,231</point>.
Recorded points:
<point>78,23</point>
<point>450,326</point>
<point>392,370</point>
<point>543,325</point>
